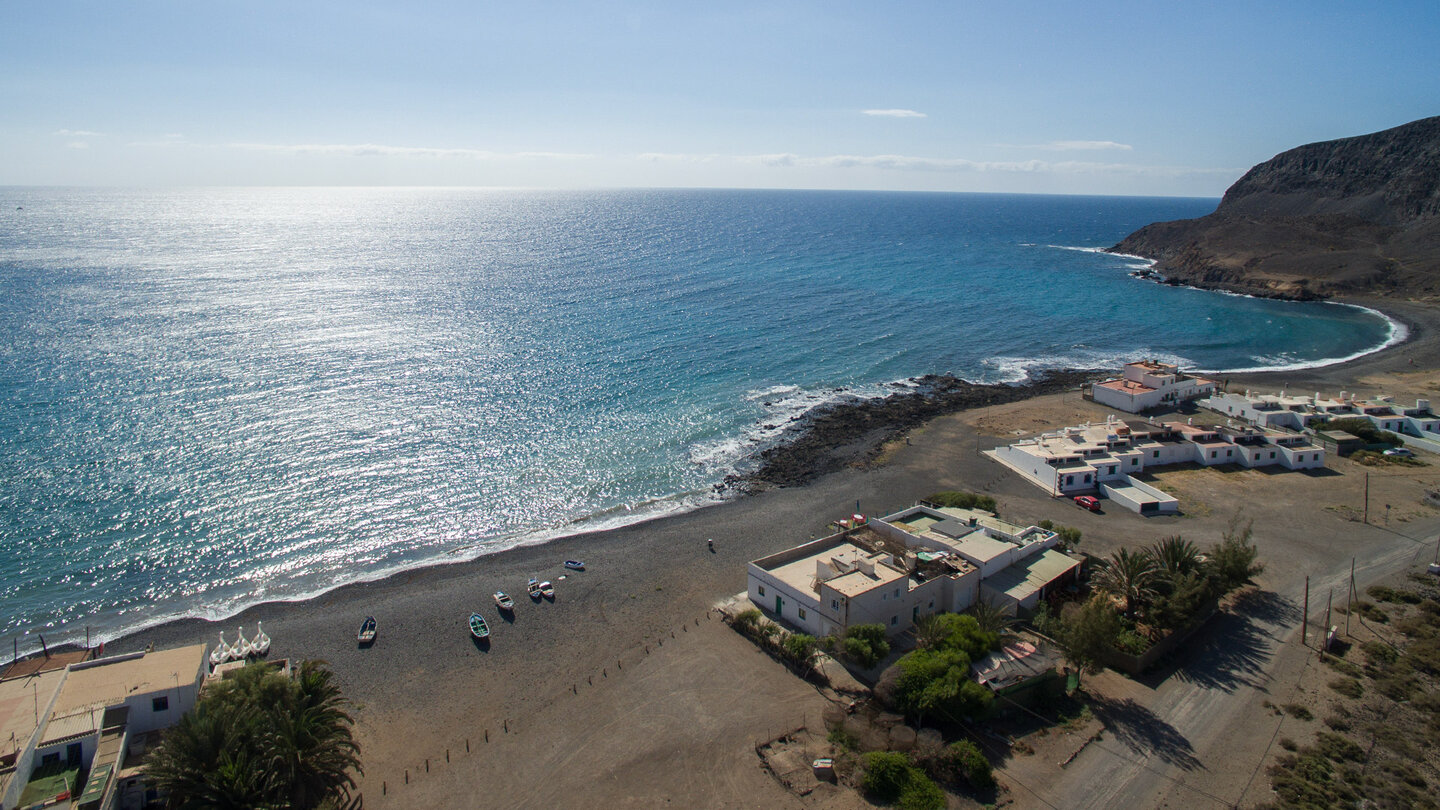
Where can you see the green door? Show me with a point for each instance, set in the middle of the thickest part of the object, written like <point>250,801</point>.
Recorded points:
<point>778,604</point>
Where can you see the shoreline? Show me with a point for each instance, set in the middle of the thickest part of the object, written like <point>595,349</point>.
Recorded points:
<point>836,435</point>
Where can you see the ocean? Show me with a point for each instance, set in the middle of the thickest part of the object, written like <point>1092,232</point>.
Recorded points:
<point>215,397</point>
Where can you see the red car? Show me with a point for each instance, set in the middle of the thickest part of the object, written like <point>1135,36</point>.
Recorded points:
<point>1088,501</point>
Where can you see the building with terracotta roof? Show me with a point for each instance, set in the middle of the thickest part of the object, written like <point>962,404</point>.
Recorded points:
<point>1150,384</point>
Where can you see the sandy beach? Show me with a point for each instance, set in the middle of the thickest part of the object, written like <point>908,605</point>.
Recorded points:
<point>625,690</point>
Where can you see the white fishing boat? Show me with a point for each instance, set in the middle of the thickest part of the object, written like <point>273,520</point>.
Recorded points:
<point>503,601</point>
<point>547,590</point>
<point>260,645</point>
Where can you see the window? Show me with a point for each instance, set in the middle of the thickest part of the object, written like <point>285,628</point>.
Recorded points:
<point>762,590</point>
<point>834,604</point>
<point>894,620</point>
<point>1087,478</point>
<point>1272,454</point>
<point>50,759</point>
<point>1134,462</point>
<point>1229,453</point>
<point>1212,454</point>
<point>1157,454</point>
<point>932,604</point>
<point>160,704</point>
<point>897,593</point>
<point>1112,469</point>
<point>1069,479</point>
<point>801,613</point>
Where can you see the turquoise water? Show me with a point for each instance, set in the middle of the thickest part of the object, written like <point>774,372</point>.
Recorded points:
<point>214,397</point>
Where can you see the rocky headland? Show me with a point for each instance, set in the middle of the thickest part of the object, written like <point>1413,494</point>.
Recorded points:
<point>1353,217</point>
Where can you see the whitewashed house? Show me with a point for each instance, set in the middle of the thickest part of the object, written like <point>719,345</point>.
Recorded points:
<point>1150,384</point>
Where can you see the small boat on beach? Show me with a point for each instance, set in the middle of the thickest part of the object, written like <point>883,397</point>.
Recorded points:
<point>547,590</point>
<point>478,627</point>
<point>367,631</point>
<point>504,602</point>
<point>533,589</point>
<point>575,565</point>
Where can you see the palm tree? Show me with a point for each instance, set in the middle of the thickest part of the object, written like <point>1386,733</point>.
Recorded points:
<point>203,762</point>
<point>311,748</point>
<point>1130,576</point>
<point>263,741</point>
<point>1175,557</point>
<point>991,617</point>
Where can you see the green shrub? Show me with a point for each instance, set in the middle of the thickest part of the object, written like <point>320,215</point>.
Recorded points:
<point>1131,642</point>
<point>1379,653</point>
<point>1342,666</point>
<point>1338,748</point>
<point>886,774</point>
<point>965,758</point>
<point>963,500</point>
<point>866,644</point>
<point>1298,711</point>
<point>842,739</point>
<point>1349,687</point>
<point>921,793</point>
<point>747,620</point>
<point>799,648</point>
<point>1383,593</point>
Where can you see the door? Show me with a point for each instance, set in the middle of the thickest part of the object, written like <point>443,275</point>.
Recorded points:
<point>72,755</point>
<point>915,614</point>
<point>779,603</point>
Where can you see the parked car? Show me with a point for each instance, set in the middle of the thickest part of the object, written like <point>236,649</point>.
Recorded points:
<point>1399,451</point>
<point>1088,501</point>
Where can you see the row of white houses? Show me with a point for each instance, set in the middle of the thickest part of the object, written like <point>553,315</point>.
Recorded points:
<point>1295,412</point>
<point>895,570</point>
<point>1101,458</point>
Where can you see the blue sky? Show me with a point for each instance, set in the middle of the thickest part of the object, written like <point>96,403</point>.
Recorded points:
<point>1049,97</point>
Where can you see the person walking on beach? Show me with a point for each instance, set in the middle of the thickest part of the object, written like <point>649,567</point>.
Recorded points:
<point>711,542</point>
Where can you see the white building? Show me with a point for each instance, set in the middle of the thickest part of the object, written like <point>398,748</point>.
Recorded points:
<point>93,718</point>
<point>898,569</point>
<point>1102,458</point>
<point>1150,384</point>
<point>1418,426</point>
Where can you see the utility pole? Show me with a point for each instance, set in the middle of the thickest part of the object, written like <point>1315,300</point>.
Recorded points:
<point>1366,519</point>
<point>1350,597</point>
<point>1329,600</point>
<point>1305,617</point>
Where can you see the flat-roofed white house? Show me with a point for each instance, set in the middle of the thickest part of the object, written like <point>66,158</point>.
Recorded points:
<point>1150,384</point>
<point>1418,426</point>
<point>1102,458</point>
<point>896,570</point>
<point>96,710</point>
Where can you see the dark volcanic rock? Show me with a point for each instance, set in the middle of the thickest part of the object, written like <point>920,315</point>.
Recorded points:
<point>1355,216</point>
<point>835,436</point>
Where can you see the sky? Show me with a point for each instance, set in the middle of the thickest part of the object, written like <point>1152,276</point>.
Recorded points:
<point>1042,96</point>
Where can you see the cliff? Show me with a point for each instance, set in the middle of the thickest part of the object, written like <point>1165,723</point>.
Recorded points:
<point>1356,216</point>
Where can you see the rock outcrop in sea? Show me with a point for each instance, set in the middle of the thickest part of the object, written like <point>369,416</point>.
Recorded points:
<point>1356,216</point>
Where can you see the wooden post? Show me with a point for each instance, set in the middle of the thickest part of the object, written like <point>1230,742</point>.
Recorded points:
<point>1366,518</point>
<point>1305,617</point>
<point>1326,629</point>
<point>1350,597</point>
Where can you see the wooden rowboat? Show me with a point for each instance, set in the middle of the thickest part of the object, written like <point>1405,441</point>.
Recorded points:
<point>367,631</point>
<point>478,627</point>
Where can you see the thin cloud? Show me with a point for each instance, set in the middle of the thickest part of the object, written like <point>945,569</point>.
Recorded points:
<point>932,164</point>
<point>77,145</point>
<point>895,113</point>
<point>77,133</point>
<point>1086,146</point>
<point>384,150</point>
<point>1070,146</point>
